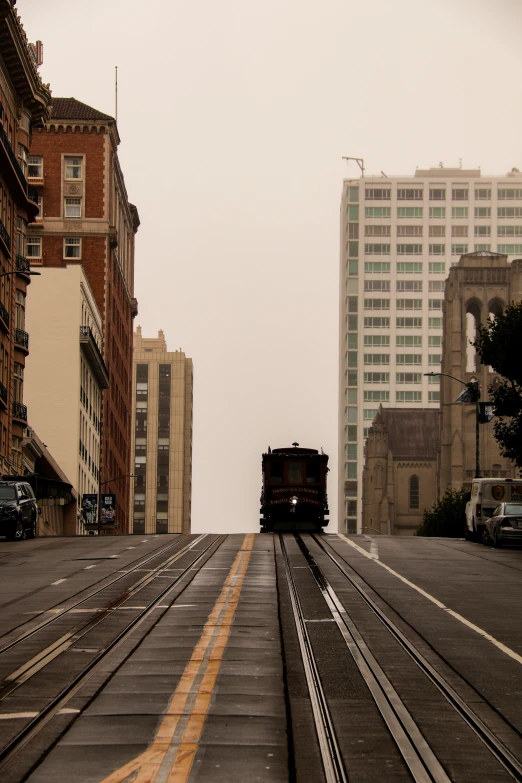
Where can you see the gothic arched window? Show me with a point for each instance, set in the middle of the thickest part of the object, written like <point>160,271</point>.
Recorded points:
<point>414,492</point>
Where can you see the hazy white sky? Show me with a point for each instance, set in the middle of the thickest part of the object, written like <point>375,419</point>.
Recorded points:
<point>234,117</point>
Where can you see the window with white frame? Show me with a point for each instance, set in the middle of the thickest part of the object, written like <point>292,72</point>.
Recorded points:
<point>509,212</point>
<point>40,208</point>
<point>437,268</point>
<point>435,304</point>
<point>408,396</point>
<point>434,379</point>
<point>509,193</point>
<point>377,231</point>
<point>409,231</point>
<point>377,250</point>
<point>437,213</point>
<point>434,396</point>
<point>33,247</point>
<point>437,231</point>
<point>484,231</point>
<point>408,358</point>
<point>437,250</point>
<point>459,213</point>
<point>376,285</point>
<point>376,377</point>
<point>377,267</point>
<point>434,358</point>
<point>510,250</point>
<point>72,247</point>
<point>377,340</point>
<point>506,231</point>
<point>459,231</point>
<point>34,167</point>
<point>437,194</point>
<point>408,377</point>
<point>409,285</point>
<point>376,304</point>
<point>434,323</point>
<point>370,414</point>
<point>376,396</point>
<point>459,194</point>
<point>376,323</point>
<point>378,194</point>
<point>409,267</point>
<point>22,158</point>
<point>482,247</point>
<point>377,212</point>
<point>73,207</point>
<point>377,358</point>
<point>409,304</point>
<point>408,323</point>
<point>482,194</point>
<point>459,250</point>
<point>435,341</point>
<point>409,212</point>
<point>408,341</point>
<point>436,285</point>
<point>482,212</point>
<point>409,194</point>
<point>409,250</point>
<point>73,167</point>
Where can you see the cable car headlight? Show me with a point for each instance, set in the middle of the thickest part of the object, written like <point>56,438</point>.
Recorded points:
<point>294,500</point>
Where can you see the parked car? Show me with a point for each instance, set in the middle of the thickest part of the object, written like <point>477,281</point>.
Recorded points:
<point>504,526</point>
<point>486,494</point>
<point>18,510</point>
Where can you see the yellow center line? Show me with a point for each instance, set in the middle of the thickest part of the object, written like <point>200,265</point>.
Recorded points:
<point>175,758</point>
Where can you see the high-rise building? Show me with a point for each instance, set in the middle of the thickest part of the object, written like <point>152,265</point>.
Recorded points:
<point>86,219</point>
<point>162,442</point>
<point>24,104</point>
<point>399,238</point>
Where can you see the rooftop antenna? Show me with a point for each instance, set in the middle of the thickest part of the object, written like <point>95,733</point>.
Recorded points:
<point>359,161</point>
<point>116,93</point>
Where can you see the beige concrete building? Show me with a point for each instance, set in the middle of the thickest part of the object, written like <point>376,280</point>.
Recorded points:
<point>400,470</point>
<point>65,379</point>
<point>478,287</point>
<point>162,437</point>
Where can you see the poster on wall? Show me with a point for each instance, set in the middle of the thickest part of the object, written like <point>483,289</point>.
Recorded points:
<point>108,511</point>
<point>90,510</point>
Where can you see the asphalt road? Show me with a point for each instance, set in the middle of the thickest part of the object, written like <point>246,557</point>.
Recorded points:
<point>171,658</point>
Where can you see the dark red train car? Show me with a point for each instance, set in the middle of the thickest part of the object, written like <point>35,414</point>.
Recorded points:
<point>293,496</point>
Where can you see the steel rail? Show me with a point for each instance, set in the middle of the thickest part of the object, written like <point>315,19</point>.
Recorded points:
<point>508,760</point>
<point>99,589</point>
<point>330,752</point>
<point>28,732</point>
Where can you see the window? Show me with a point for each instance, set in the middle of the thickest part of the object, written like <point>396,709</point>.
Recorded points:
<point>437,231</point>
<point>377,231</point>
<point>409,212</point>
<point>434,323</point>
<point>352,304</point>
<point>370,413</point>
<point>376,323</point>
<point>437,268</point>
<point>377,250</point>
<point>459,231</point>
<point>40,208</point>
<point>482,212</point>
<point>351,452</point>
<point>376,304</point>
<point>509,193</point>
<point>377,267</point>
<point>408,396</point>
<point>409,268</point>
<point>408,377</point>
<point>414,492</point>
<point>377,212</point>
<point>436,285</point>
<point>510,250</point>
<point>353,267</point>
<point>22,158</point>
<point>19,309</point>
<point>351,396</point>
<point>434,358</point>
<point>437,213</point>
<point>459,194</point>
<point>459,250</point>
<point>376,340</point>
<point>72,247</point>
<point>376,358</point>
<point>351,415</point>
<point>509,212</point>
<point>351,471</point>
<point>409,304</point>
<point>352,359</point>
<point>485,231</point>
<point>409,285</point>
<point>353,249</point>
<point>435,341</point>
<point>482,194</point>
<point>352,323</point>
<point>409,323</point>
<point>409,231</point>
<point>352,341</point>
<point>353,231</point>
<point>376,285</point>
<point>437,194</point>
<point>437,250</point>
<point>408,341</point>
<point>459,213</point>
<point>378,194</point>
<point>376,377</point>
<point>351,434</point>
<point>353,193</point>
<point>18,382</point>
<point>435,304</point>
<point>73,207</point>
<point>482,247</point>
<point>434,396</point>
<point>21,236</point>
<point>33,247</point>
<point>408,358</point>
<point>73,168</point>
<point>376,396</point>
<point>409,194</point>
<point>504,231</point>
<point>353,212</point>
<point>409,250</point>
<point>34,167</point>
<point>434,379</point>
<point>351,378</point>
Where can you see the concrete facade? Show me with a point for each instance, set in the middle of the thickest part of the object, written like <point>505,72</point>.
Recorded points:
<point>162,437</point>
<point>65,381</point>
<point>479,287</point>
<point>88,220</point>
<point>399,238</point>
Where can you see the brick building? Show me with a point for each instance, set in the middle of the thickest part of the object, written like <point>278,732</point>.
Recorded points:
<point>86,218</point>
<point>24,104</point>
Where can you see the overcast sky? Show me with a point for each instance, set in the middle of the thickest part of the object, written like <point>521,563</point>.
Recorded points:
<point>234,117</point>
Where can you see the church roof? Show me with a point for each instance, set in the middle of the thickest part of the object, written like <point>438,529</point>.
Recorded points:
<point>413,433</point>
<point>71,109</point>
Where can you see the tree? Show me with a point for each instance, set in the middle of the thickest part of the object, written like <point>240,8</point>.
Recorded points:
<point>447,518</point>
<point>498,344</point>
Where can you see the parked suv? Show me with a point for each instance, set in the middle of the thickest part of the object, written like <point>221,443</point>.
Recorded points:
<point>18,510</point>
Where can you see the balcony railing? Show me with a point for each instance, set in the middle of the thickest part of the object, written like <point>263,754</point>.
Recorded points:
<point>94,357</point>
<point>20,411</point>
<point>3,393</point>
<point>21,338</point>
<point>22,264</point>
<point>5,236</point>
<point>4,315</point>
<point>29,190</point>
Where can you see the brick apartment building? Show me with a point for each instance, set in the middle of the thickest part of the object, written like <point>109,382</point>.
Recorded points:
<point>86,218</point>
<point>24,104</point>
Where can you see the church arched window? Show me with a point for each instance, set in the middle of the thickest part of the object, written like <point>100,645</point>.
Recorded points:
<point>414,492</point>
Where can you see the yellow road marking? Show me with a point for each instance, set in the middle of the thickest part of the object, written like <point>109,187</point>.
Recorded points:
<point>175,758</point>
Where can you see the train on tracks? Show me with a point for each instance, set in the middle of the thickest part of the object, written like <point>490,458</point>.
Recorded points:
<point>293,495</point>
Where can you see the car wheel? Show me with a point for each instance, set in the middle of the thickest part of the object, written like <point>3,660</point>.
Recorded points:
<point>31,533</point>
<point>16,533</point>
<point>486,538</point>
<point>496,539</point>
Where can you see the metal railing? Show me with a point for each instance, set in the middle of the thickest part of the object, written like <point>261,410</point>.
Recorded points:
<point>4,234</point>
<point>86,331</point>
<point>22,264</point>
<point>4,315</point>
<point>20,411</point>
<point>3,393</point>
<point>12,157</point>
<point>21,338</point>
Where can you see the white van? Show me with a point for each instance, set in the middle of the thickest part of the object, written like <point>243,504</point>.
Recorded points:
<point>486,494</point>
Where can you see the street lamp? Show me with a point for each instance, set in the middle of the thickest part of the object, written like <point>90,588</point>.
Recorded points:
<point>17,272</point>
<point>103,483</point>
<point>474,396</point>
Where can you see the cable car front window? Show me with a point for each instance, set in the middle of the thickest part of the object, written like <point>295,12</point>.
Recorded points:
<point>295,472</point>
<point>276,472</point>
<point>312,473</point>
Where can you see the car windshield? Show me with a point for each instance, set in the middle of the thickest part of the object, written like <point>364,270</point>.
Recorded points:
<point>513,508</point>
<point>7,493</point>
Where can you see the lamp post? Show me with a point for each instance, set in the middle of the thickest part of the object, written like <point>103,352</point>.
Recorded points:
<point>17,272</point>
<point>109,481</point>
<point>474,390</point>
